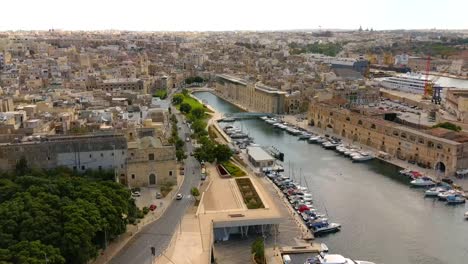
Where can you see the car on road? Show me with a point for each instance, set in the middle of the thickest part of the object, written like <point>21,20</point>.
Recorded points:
<point>136,194</point>
<point>203,177</point>
<point>179,196</point>
<point>191,153</point>
<point>187,139</point>
<point>158,195</point>
<point>153,207</point>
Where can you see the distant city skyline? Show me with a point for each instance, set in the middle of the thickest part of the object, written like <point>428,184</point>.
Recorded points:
<point>212,15</point>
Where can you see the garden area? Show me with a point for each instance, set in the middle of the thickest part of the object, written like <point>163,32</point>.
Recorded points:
<point>249,194</point>
<point>233,169</point>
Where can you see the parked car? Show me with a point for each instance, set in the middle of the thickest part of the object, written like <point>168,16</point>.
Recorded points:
<point>152,207</point>
<point>179,196</point>
<point>136,194</point>
<point>203,177</point>
<point>158,195</point>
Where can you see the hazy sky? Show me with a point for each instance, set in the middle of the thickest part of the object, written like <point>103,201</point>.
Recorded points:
<point>203,15</point>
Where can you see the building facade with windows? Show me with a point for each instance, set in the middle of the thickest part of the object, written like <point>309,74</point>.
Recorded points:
<point>256,97</point>
<point>440,149</point>
<point>150,163</point>
<point>80,153</point>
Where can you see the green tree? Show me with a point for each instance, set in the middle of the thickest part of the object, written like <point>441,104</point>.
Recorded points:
<point>185,108</point>
<point>71,213</point>
<point>195,192</point>
<point>199,126</point>
<point>180,154</point>
<point>185,92</point>
<point>34,252</point>
<point>177,99</point>
<point>258,248</point>
<point>179,143</point>
<point>222,153</point>
<point>198,112</point>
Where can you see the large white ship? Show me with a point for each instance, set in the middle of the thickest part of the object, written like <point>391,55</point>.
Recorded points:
<point>410,83</point>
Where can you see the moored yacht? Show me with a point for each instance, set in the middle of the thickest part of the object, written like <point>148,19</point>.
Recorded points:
<point>434,192</point>
<point>333,259</point>
<point>304,136</point>
<point>455,199</point>
<point>313,139</point>
<point>361,156</point>
<point>322,227</point>
<point>422,182</point>
<point>443,196</point>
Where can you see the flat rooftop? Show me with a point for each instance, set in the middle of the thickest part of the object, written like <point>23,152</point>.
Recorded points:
<point>259,154</point>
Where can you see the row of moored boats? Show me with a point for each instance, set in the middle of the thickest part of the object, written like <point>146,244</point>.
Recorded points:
<point>326,141</point>
<point>443,190</point>
<point>301,200</point>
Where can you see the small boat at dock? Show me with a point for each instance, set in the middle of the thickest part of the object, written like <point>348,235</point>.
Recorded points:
<point>362,156</point>
<point>455,199</point>
<point>333,259</point>
<point>304,136</point>
<point>323,227</point>
<point>422,182</point>
<point>443,196</point>
<point>434,192</point>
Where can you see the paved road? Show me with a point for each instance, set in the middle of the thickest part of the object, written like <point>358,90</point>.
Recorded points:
<point>159,233</point>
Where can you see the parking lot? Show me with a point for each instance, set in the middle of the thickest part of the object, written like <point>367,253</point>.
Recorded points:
<point>406,112</point>
<point>148,197</point>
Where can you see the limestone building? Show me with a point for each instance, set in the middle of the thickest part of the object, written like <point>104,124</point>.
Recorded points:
<point>150,163</point>
<point>440,149</point>
<point>80,153</point>
<point>253,96</point>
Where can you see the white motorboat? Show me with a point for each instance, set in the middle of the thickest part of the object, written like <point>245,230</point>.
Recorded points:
<point>444,195</point>
<point>264,118</point>
<point>422,182</point>
<point>304,136</point>
<point>313,139</point>
<point>361,156</point>
<point>351,152</point>
<point>320,140</point>
<point>434,191</point>
<point>328,145</point>
<point>271,121</point>
<point>333,259</point>
<point>455,199</point>
<point>328,228</point>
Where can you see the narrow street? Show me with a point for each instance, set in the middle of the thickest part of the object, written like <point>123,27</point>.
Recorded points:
<point>159,233</point>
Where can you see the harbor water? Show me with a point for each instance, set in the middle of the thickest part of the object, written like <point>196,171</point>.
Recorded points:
<point>383,219</point>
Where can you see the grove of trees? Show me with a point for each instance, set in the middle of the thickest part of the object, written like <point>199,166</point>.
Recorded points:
<point>58,216</point>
